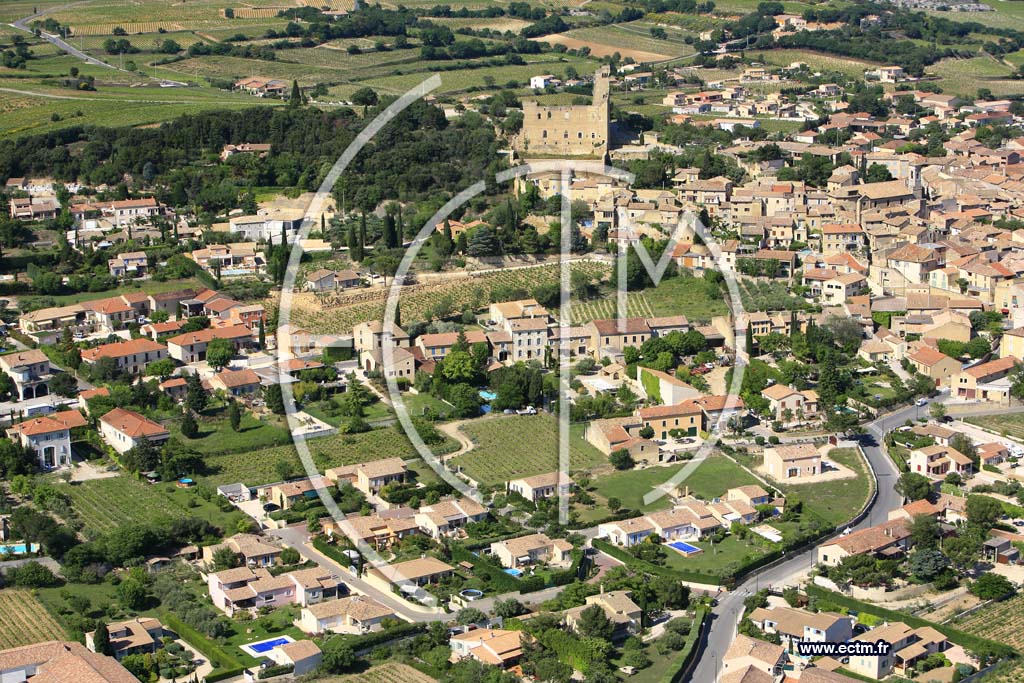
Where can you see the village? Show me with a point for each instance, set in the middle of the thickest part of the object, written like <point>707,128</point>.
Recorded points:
<point>230,454</point>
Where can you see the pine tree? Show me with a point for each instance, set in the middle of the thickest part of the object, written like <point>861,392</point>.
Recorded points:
<point>750,341</point>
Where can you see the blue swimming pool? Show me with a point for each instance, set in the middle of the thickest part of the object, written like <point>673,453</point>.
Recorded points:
<point>488,395</point>
<point>265,646</point>
<point>18,548</point>
<point>514,572</point>
<point>684,548</point>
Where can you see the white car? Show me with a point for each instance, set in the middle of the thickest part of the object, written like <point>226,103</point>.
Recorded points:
<point>922,402</point>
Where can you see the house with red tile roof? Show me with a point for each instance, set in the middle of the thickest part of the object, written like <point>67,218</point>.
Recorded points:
<point>125,429</point>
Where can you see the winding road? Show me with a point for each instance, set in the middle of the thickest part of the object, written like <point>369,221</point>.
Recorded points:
<point>23,24</point>
<point>727,613</point>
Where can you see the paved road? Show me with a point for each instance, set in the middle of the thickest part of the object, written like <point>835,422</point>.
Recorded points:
<point>297,537</point>
<point>23,24</point>
<point>727,613</point>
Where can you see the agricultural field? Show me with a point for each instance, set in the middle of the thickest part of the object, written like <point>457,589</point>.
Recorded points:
<point>24,620</point>
<point>965,76</point>
<point>1000,621</point>
<point>492,23</point>
<point>602,49</point>
<point>261,466</point>
<point>816,61</point>
<point>632,37</point>
<point>391,672</point>
<point>1011,425</point>
<point>1007,14</point>
<point>216,437</point>
<point>106,504</point>
<point>339,314</point>
<point>512,446</point>
<point>682,295</point>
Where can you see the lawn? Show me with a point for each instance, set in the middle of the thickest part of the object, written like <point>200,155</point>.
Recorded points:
<point>149,287</point>
<point>1010,424</point>
<point>24,620</point>
<point>710,480</point>
<point>216,437</point>
<point>105,504</point>
<point>513,446</point>
<point>261,466</point>
<point>836,501</point>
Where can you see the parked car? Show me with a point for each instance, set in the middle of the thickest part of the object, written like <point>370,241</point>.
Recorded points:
<point>922,402</point>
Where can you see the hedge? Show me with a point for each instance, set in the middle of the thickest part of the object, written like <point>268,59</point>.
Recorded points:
<point>331,551</point>
<point>229,666</point>
<point>969,641</point>
<point>368,641</point>
<point>679,668</point>
<point>279,670</point>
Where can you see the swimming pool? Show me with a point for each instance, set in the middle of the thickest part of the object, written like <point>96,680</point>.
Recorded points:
<point>488,395</point>
<point>514,572</point>
<point>684,548</point>
<point>18,548</point>
<point>262,647</point>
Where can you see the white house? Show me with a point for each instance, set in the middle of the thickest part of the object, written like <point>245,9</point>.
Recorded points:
<point>125,429</point>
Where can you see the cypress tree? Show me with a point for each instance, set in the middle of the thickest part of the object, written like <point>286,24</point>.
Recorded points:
<point>263,335</point>
<point>101,639</point>
<point>750,341</point>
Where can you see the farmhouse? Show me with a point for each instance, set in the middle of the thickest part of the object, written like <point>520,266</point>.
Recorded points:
<point>889,538</point>
<point>490,646</point>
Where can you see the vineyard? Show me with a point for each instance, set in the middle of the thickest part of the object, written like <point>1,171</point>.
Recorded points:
<point>337,314</point>
<point>1001,621</point>
<point>106,504</point>
<point>512,446</point>
<point>261,467</point>
<point>392,672</point>
<point>1011,425</point>
<point>24,620</point>
<point>598,309</point>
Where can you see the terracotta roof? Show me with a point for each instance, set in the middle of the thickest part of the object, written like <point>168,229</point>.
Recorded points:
<point>209,334</point>
<point>611,328</point>
<point>65,662</point>
<point>238,378</point>
<point>928,356</point>
<point>122,349</point>
<point>992,367</point>
<point>21,358</point>
<point>358,607</point>
<point>798,451</point>
<point>132,424</point>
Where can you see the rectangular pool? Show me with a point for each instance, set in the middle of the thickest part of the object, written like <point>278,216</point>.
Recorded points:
<point>264,646</point>
<point>684,548</point>
<point>19,548</point>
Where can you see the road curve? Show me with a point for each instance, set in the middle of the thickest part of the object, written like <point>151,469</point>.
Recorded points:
<point>23,25</point>
<point>726,614</point>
